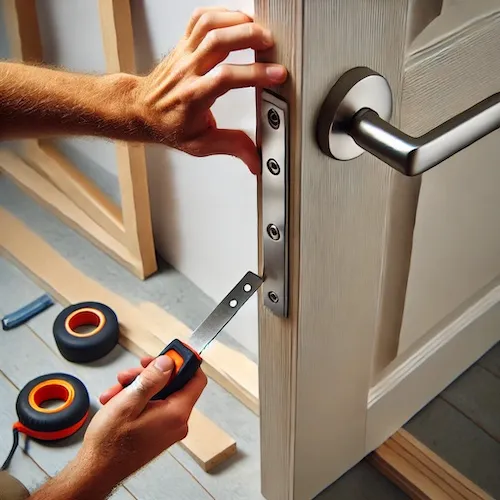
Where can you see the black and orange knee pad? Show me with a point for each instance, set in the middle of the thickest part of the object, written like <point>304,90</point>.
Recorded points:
<point>58,422</point>
<point>99,340</point>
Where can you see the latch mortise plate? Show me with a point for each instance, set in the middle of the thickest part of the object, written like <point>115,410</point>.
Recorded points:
<point>275,177</point>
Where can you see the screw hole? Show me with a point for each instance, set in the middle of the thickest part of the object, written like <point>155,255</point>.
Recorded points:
<point>233,303</point>
<point>274,118</point>
<point>273,166</point>
<point>273,232</point>
<point>247,287</point>
<point>273,297</point>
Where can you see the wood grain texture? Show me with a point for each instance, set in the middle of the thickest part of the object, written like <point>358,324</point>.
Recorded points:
<point>456,243</point>
<point>116,25</point>
<point>45,193</point>
<point>342,220</point>
<point>422,474</point>
<point>68,285</point>
<point>228,367</point>
<point>76,186</point>
<point>431,366</point>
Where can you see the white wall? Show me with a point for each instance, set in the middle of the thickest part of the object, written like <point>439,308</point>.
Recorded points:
<point>204,210</point>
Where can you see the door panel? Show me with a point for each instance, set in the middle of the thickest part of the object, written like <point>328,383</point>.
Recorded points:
<point>456,244</point>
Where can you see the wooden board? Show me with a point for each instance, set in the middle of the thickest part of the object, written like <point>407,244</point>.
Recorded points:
<point>68,285</point>
<point>421,473</point>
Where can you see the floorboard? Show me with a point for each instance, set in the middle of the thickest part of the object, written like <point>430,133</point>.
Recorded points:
<point>460,442</point>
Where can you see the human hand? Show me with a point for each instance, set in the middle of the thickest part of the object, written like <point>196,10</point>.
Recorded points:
<point>174,100</point>
<point>130,430</point>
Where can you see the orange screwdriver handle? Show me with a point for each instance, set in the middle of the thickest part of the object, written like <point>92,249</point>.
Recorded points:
<point>186,363</point>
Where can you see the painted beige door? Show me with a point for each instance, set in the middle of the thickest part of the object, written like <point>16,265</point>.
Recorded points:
<point>393,280</point>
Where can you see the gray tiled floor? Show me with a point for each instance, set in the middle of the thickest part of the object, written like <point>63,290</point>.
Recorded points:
<point>462,425</point>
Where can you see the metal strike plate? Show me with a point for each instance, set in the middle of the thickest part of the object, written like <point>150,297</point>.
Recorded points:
<point>275,177</point>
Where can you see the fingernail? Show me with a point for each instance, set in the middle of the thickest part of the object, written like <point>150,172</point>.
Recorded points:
<point>276,73</point>
<point>164,363</point>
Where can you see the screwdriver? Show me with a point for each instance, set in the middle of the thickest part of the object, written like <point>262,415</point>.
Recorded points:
<point>187,358</point>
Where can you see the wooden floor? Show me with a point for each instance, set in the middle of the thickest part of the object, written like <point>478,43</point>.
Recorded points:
<point>462,425</point>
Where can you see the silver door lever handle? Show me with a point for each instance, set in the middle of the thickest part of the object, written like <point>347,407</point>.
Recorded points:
<point>353,119</point>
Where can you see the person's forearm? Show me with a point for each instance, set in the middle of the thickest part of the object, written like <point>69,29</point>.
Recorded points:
<point>81,479</point>
<point>37,101</point>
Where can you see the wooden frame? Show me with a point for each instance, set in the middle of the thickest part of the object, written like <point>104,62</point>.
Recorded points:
<point>47,175</point>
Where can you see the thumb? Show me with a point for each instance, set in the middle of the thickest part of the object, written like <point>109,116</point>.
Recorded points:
<point>154,377</point>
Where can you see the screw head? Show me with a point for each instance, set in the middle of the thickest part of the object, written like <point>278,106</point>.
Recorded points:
<point>273,297</point>
<point>273,232</point>
<point>273,166</point>
<point>273,118</point>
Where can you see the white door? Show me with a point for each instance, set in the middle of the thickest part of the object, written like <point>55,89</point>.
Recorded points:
<point>394,280</point>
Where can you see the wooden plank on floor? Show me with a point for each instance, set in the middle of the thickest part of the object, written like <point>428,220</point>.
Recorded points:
<point>459,442</point>
<point>491,360</point>
<point>476,394</point>
<point>22,467</point>
<point>421,473</point>
<point>69,285</point>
